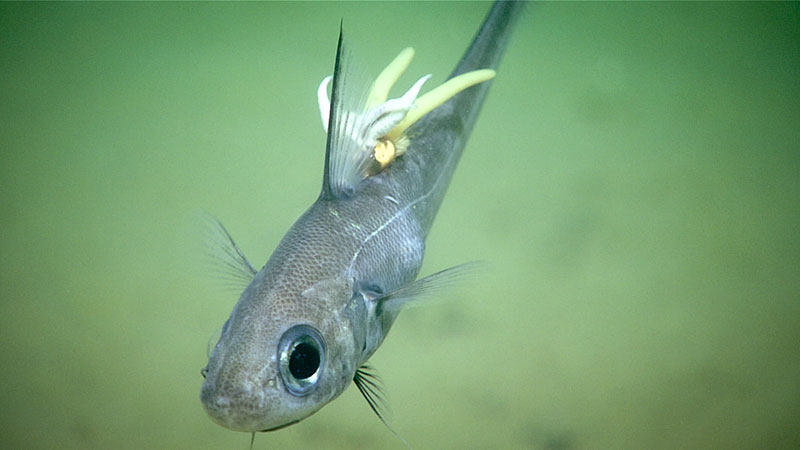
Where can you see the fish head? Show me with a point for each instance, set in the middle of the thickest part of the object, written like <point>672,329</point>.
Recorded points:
<point>283,354</point>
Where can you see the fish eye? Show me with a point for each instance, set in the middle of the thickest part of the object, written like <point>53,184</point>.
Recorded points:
<point>301,353</point>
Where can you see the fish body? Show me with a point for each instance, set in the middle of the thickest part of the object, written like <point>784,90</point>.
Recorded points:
<point>310,319</point>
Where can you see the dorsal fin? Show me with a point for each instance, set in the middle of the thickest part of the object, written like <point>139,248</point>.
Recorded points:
<point>332,113</point>
<point>346,162</point>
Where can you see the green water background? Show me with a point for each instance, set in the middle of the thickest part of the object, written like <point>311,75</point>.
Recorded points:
<point>633,181</point>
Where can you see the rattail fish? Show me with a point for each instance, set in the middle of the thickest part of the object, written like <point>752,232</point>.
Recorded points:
<point>308,321</point>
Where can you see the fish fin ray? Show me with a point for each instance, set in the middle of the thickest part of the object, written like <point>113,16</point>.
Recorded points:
<point>227,259</point>
<point>429,286</point>
<point>370,386</point>
<point>346,161</point>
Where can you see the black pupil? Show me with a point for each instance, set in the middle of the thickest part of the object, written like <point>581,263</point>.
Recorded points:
<point>304,361</point>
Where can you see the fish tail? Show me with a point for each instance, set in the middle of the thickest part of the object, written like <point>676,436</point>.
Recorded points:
<point>485,52</point>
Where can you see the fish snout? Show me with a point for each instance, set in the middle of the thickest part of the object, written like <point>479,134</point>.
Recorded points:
<point>242,408</point>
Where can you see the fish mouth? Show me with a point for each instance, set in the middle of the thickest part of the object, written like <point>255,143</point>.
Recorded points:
<point>280,426</point>
<point>247,413</point>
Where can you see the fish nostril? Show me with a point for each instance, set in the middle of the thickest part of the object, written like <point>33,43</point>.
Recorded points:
<point>222,401</point>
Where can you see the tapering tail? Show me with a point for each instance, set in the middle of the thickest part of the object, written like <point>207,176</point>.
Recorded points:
<point>438,139</point>
<point>485,52</point>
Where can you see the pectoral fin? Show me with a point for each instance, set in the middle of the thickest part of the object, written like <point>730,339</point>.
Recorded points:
<point>227,258</point>
<point>427,287</point>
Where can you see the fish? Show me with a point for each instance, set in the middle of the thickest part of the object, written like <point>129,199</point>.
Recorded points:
<point>306,324</point>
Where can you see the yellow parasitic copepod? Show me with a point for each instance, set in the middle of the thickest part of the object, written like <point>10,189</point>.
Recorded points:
<point>374,134</point>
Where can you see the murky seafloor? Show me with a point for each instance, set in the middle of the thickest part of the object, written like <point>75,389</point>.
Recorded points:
<point>633,182</point>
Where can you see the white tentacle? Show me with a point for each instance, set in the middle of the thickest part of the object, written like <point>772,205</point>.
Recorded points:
<point>324,102</point>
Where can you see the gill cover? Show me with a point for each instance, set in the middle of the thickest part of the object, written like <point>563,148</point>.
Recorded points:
<point>366,129</point>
